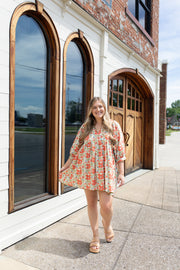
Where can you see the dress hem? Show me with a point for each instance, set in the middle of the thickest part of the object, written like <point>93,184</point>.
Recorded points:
<point>76,186</point>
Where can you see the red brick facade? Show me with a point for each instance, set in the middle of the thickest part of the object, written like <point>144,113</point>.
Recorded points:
<point>162,105</point>
<point>116,19</point>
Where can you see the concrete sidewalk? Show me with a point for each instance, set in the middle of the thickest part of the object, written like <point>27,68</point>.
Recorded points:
<point>146,223</point>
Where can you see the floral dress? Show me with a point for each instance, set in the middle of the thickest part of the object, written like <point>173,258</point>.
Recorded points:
<point>94,163</point>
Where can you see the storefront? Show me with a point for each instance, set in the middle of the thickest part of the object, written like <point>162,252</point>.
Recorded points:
<point>55,58</point>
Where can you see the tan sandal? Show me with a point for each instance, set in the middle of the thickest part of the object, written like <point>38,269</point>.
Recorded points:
<point>109,235</point>
<point>94,246</point>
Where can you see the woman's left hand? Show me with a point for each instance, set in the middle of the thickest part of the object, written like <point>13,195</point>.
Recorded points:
<point>120,180</point>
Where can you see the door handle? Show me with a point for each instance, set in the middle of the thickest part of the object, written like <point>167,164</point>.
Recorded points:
<point>126,138</point>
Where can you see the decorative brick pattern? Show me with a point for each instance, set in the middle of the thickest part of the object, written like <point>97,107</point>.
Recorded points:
<point>116,20</point>
<point>162,105</point>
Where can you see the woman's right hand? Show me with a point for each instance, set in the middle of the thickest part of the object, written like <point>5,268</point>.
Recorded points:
<point>66,165</point>
<point>120,180</point>
<point>61,170</point>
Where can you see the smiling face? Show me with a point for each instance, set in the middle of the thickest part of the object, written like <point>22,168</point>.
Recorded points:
<point>98,110</point>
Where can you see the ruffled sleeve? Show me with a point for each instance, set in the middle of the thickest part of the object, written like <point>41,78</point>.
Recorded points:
<point>77,143</point>
<point>119,148</point>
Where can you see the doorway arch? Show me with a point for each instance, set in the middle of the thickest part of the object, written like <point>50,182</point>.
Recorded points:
<point>135,113</point>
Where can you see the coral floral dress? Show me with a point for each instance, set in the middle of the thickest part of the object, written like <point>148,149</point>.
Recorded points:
<point>94,163</point>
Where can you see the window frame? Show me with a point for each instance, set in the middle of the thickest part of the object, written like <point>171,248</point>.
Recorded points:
<point>37,12</point>
<point>147,31</point>
<point>46,107</point>
<point>117,92</point>
<point>137,97</point>
<point>147,13</point>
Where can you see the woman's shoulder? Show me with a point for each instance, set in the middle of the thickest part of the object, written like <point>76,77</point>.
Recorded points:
<point>81,128</point>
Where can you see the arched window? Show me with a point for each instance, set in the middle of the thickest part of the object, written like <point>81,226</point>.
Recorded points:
<point>34,107</point>
<point>77,89</point>
<point>31,110</point>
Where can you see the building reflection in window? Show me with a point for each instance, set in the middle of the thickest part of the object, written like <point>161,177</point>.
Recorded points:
<point>31,113</point>
<point>74,108</point>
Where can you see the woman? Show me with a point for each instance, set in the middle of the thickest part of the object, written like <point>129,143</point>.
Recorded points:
<point>96,155</point>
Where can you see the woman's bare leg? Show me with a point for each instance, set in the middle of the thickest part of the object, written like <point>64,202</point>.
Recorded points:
<point>106,209</point>
<point>92,199</point>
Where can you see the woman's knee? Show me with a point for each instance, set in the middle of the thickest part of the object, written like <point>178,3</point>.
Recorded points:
<point>105,202</point>
<point>106,206</point>
<point>92,198</point>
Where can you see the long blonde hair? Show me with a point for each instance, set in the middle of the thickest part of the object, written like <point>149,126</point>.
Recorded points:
<point>91,121</point>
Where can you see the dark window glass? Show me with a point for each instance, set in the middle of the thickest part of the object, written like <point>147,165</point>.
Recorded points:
<point>31,113</point>
<point>116,94</point>
<point>120,86</point>
<point>129,90</point>
<point>115,100</point>
<point>133,92</point>
<point>111,84</point>
<point>74,94</point>
<point>137,107</point>
<point>140,106</point>
<point>129,104</point>
<point>110,98</point>
<point>133,104</point>
<point>115,87</point>
<point>120,101</point>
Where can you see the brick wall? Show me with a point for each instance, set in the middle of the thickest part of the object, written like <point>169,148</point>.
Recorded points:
<point>113,15</point>
<point>162,104</point>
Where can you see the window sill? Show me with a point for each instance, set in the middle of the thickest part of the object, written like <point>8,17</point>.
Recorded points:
<point>29,202</point>
<point>136,22</point>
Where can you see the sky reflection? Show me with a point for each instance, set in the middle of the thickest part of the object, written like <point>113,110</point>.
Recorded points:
<point>30,68</point>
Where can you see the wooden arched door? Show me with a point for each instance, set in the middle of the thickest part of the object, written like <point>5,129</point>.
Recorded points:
<point>134,126</point>
<point>126,107</point>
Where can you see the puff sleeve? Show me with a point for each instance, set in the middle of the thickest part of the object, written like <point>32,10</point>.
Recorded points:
<point>119,148</point>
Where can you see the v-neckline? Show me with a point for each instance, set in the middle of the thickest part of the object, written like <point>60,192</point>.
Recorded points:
<point>98,130</point>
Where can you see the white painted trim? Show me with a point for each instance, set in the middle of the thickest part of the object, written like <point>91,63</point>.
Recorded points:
<point>23,223</point>
<point>156,124</point>
<point>103,57</point>
<point>135,174</point>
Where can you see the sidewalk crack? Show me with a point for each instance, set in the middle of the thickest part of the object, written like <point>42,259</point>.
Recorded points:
<point>125,241</point>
